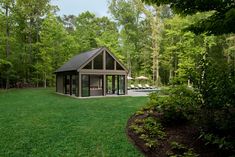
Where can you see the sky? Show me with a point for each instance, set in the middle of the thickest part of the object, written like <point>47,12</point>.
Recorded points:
<point>75,7</point>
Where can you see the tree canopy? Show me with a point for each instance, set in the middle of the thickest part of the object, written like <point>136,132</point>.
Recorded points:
<point>221,21</point>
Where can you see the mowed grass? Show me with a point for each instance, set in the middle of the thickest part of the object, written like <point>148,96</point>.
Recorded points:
<point>38,122</point>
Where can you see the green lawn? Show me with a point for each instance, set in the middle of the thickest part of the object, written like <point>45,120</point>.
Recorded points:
<point>38,122</point>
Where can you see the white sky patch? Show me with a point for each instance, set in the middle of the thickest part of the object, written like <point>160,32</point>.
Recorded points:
<point>75,7</point>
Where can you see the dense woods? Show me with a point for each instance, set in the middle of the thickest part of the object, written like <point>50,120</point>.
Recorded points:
<point>150,40</point>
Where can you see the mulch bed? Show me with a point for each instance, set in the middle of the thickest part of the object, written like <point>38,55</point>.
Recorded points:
<point>185,134</point>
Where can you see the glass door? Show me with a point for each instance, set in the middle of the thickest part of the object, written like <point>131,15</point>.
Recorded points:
<point>85,85</point>
<point>110,84</point>
<point>121,84</point>
<point>67,84</point>
<point>74,84</point>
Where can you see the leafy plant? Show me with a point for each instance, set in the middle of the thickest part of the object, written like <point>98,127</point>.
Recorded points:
<point>150,130</point>
<point>184,151</point>
<point>178,107</point>
<point>221,142</point>
<point>177,146</point>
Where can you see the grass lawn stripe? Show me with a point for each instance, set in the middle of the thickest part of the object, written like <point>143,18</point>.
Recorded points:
<point>38,122</point>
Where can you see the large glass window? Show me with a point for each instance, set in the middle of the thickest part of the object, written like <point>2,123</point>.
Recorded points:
<point>67,84</point>
<point>98,61</point>
<point>121,84</point>
<point>111,86</point>
<point>109,62</point>
<point>74,85</point>
<point>85,85</point>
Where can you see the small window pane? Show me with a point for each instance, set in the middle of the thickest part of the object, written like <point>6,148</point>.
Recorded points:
<point>119,67</point>
<point>98,62</point>
<point>109,62</point>
<point>88,66</point>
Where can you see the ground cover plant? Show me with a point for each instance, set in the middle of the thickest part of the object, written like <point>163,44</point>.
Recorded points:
<point>38,122</point>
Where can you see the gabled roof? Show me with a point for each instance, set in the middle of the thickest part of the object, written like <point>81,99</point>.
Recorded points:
<point>80,60</point>
<point>77,61</point>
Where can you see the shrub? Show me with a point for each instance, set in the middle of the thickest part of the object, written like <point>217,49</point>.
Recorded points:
<point>181,151</point>
<point>178,107</point>
<point>221,142</point>
<point>150,130</point>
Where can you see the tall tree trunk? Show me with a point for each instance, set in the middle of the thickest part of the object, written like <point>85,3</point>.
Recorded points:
<point>45,80</point>
<point>30,40</point>
<point>156,26</point>
<point>170,74</point>
<point>37,40</point>
<point>7,43</point>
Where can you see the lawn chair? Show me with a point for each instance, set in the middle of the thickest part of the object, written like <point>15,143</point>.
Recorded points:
<point>148,87</point>
<point>140,86</point>
<point>133,87</point>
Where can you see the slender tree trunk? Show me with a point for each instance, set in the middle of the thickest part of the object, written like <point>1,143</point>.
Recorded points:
<point>30,50</point>
<point>129,63</point>
<point>37,40</point>
<point>7,43</point>
<point>156,26</point>
<point>45,80</point>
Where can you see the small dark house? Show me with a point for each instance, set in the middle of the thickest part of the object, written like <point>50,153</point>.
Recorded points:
<point>94,73</point>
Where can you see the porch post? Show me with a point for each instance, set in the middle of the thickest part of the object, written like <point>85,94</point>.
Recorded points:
<point>113,84</point>
<point>104,85</point>
<point>104,60</point>
<point>56,77</point>
<point>70,84</point>
<point>115,65</point>
<point>79,85</point>
<point>126,84</point>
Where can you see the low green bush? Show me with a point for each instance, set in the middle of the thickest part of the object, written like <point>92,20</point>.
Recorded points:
<point>150,130</point>
<point>222,142</point>
<point>178,107</point>
<point>181,150</point>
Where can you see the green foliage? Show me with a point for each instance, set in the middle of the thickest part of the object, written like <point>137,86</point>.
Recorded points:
<point>137,53</point>
<point>221,142</point>
<point>220,22</point>
<point>150,130</point>
<point>178,107</point>
<point>181,150</point>
<point>5,65</point>
<point>178,146</point>
<point>181,50</point>
<point>217,89</point>
<point>140,112</point>
<point>39,42</point>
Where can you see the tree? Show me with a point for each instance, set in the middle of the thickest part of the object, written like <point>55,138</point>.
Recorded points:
<point>214,72</point>
<point>181,49</point>
<point>86,31</point>
<point>7,8</point>
<point>107,35</point>
<point>220,22</point>
<point>156,25</point>
<point>28,16</point>
<point>92,32</point>
<point>56,47</point>
<point>128,19</point>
